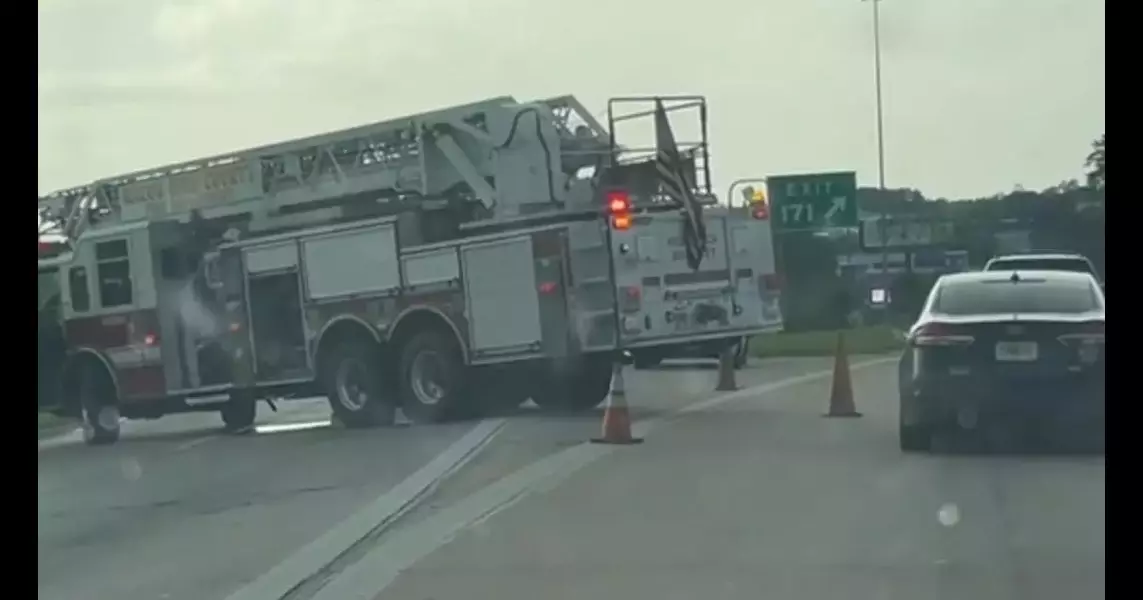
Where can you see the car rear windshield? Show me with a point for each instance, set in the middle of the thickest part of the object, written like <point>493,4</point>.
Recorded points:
<point>1037,296</point>
<point>1042,264</point>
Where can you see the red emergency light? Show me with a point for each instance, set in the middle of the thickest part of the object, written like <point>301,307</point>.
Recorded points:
<point>619,208</point>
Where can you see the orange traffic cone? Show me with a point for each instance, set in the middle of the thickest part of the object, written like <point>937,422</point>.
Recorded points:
<point>841,392</point>
<point>616,418</point>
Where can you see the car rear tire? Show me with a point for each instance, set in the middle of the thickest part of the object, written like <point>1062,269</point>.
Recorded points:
<point>915,438</point>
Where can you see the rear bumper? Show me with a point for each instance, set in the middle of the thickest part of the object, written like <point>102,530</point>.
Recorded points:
<point>704,349</point>
<point>1078,399</point>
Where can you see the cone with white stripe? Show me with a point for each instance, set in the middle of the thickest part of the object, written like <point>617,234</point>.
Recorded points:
<point>617,417</point>
<point>841,390</point>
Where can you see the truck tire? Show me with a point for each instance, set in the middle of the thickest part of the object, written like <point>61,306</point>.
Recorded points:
<point>498,390</point>
<point>99,406</point>
<point>432,378</point>
<point>353,383</point>
<point>583,388</point>
<point>238,414</point>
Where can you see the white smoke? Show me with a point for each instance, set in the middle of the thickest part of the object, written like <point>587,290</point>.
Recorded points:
<point>197,319</point>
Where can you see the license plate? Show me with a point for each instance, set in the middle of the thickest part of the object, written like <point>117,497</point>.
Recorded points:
<point>1017,351</point>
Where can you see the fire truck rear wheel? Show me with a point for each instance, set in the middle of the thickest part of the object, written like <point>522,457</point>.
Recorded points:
<point>96,394</point>
<point>580,389</point>
<point>433,377</point>
<point>351,375</point>
<point>498,390</point>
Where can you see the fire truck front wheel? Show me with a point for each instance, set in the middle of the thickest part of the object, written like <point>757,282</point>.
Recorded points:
<point>238,413</point>
<point>95,392</point>
<point>352,379</point>
<point>432,377</point>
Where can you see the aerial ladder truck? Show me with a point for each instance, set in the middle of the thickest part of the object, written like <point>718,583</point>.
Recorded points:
<point>451,263</point>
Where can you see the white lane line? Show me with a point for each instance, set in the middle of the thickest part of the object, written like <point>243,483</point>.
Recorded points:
<point>311,559</point>
<point>370,576</point>
<point>286,427</point>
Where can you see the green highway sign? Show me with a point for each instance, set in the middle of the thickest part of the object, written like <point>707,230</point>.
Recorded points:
<point>813,200</point>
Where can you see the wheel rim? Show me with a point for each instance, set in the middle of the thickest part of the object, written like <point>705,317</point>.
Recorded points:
<point>352,391</point>
<point>427,378</point>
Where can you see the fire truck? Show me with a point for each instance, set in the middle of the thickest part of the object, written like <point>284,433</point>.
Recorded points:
<point>51,349</point>
<point>451,263</point>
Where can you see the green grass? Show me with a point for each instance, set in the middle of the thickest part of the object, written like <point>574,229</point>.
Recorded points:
<point>50,424</point>
<point>860,340</point>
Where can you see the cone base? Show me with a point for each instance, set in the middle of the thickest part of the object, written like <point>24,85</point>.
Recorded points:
<point>626,442</point>
<point>844,415</point>
<point>726,388</point>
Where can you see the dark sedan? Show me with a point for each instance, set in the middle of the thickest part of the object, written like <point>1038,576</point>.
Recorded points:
<point>1015,348</point>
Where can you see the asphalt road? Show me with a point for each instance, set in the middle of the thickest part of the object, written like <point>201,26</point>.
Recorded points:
<point>755,496</point>
<point>747,495</point>
<point>178,511</point>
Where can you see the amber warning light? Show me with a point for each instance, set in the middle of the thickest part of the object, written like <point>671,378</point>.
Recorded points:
<point>759,209</point>
<point>619,209</point>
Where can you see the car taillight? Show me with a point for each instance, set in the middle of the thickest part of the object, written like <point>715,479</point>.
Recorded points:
<point>1087,339</point>
<point>619,209</point>
<point>939,334</point>
<point>1092,331</point>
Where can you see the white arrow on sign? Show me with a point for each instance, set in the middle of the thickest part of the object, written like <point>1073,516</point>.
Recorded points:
<point>835,207</point>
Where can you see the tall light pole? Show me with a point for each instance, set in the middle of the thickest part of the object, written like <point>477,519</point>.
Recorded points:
<point>877,84</point>
<point>880,140</point>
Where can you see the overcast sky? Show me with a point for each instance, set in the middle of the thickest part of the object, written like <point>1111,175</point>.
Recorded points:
<point>980,95</point>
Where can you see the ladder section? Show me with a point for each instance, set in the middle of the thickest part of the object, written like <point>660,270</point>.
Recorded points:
<point>513,159</point>
<point>386,160</point>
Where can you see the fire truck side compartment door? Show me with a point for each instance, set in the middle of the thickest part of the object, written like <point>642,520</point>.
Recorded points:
<point>501,296</point>
<point>357,261</point>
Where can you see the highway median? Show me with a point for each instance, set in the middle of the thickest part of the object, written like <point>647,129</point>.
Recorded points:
<point>859,340</point>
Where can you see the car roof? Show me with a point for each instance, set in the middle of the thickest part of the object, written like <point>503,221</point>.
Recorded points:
<point>1006,275</point>
<point>1041,256</point>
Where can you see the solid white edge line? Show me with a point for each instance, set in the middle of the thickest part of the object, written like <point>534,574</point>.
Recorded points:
<point>318,554</point>
<point>379,568</point>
